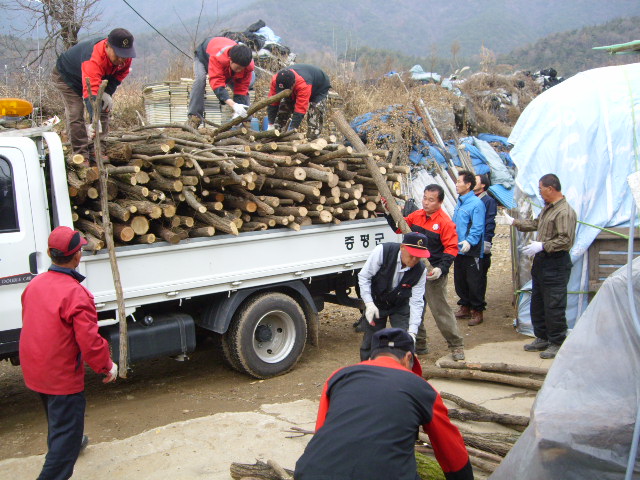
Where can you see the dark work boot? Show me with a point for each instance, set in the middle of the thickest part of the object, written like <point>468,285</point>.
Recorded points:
<point>463,312</point>
<point>550,352</point>
<point>538,345</point>
<point>476,318</point>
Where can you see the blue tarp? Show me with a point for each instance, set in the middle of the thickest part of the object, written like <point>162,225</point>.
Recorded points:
<point>583,130</point>
<point>488,137</point>
<point>483,157</point>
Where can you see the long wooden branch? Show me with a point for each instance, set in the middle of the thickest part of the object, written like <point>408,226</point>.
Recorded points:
<point>434,372</point>
<point>493,367</point>
<point>341,123</point>
<point>108,229</point>
<point>251,110</point>
<point>489,415</point>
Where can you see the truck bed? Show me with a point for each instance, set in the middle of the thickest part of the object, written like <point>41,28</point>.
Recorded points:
<point>160,272</point>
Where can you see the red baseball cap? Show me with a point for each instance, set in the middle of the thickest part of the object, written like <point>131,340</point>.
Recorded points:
<point>66,241</point>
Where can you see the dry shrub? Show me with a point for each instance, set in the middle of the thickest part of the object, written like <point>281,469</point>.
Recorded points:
<point>35,85</point>
<point>128,105</point>
<point>498,100</point>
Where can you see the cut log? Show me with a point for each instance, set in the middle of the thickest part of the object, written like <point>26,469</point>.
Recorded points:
<point>146,238</point>
<point>193,202</point>
<point>217,222</point>
<point>94,244</point>
<point>124,233</point>
<point>166,234</point>
<point>295,211</point>
<point>90,227</point>
<point>322,216</point>
<point>164,184</point>
<point>208,231</point>
<point>143,207</point>
<point>139,224</point>
<point>290,173</point>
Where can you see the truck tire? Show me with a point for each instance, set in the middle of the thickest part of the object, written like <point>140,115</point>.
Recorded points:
<point>267,335</point>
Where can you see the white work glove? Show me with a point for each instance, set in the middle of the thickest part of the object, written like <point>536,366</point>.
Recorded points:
<point>371,312</point>
<point>107,102</point>
<point>487,247</point>
<point>271,126</point>
<point>112,375</point>
<point>91,133</point>
<point>434,274</point>
<point>504,219</point>
<point>413,337</point>
<point>464,246</point>
<point>239,110</point>
<point>533,248</point>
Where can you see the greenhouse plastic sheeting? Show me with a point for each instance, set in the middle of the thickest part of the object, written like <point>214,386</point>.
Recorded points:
<point>583,130</point>
<point>583,417</point>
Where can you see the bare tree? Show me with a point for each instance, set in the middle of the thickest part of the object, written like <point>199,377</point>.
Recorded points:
<point>61,20</point>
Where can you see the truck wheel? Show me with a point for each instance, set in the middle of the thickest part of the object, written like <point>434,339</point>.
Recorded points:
<point>267,335</point>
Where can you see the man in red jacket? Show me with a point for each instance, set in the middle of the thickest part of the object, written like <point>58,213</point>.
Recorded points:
<point>99,59</point>
<point>227,63</point>
<point>60,333</point>
<point>309,89</point>
<point>369,417</point>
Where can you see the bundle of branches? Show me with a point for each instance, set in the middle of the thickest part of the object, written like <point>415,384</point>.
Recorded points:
<point>171,182</point>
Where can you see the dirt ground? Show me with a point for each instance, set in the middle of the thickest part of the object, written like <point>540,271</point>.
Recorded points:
<point>164,391</point>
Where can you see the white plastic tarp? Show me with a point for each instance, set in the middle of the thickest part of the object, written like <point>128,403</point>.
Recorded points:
<point>583,130</point>
<point>583,418</point>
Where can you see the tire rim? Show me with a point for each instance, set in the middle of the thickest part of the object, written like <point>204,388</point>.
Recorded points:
<point>281,333</point>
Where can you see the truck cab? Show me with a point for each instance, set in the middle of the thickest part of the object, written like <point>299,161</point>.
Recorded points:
<point>25,223</point>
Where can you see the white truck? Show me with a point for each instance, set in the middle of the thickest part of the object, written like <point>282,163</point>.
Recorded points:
<point>260,292</point>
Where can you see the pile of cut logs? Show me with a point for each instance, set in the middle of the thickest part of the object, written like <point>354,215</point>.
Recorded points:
<point>171,182</point>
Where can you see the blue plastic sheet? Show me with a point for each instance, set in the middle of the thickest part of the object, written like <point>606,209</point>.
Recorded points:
<point>489,137</point>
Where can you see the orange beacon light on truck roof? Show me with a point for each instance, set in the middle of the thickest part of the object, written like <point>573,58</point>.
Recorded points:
<point>14,108</point>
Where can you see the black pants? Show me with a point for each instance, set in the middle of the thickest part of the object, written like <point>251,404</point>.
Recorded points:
<point>467,278</point>
<point>485,264</point>
<point>65,417</point>
<point>399,318</point>
<point>550,275</point>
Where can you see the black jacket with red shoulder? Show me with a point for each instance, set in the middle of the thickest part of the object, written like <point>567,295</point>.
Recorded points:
<point>311,85</point>
<point>368,422</point>
<point>89,59</point>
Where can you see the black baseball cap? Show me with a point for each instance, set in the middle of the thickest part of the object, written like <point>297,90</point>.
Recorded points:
<point>396,341</point>
<point>121,41</point>
<point>416,244</point>
<point>285,79</point>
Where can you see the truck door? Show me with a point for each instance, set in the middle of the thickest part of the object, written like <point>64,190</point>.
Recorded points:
<point>17,244</point>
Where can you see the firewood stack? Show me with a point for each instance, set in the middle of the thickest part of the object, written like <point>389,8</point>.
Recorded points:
<point>171,182</point>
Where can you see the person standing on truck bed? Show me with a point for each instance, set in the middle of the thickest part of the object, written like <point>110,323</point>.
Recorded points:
<point>309,90</point>
<point>60,333</point>
<point>226,63</point>
<point>369,417</point>
<point>98,59</point>
<point>437,226</point>
<point>392,284</point>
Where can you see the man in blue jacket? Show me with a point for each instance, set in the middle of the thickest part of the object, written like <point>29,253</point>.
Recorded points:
<point>491,209</point>
<point>469,216</point>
